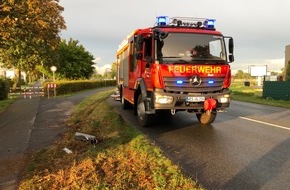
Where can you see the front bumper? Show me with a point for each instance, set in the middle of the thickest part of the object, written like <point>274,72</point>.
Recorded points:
<point>190,101</point>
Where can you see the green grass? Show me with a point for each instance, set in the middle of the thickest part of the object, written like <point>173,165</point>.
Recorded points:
<point>5,103</point>
<point>123,159</point>
<point>253,94</point>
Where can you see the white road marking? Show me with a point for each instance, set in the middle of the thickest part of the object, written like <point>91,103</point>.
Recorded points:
<point>270,124</point>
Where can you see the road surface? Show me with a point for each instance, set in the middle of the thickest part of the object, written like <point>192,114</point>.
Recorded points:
<point>248,147</point>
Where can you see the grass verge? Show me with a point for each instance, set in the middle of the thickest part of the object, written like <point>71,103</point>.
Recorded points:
<point>123,159</point>
<point>5,103</point>
<point>253,94</point>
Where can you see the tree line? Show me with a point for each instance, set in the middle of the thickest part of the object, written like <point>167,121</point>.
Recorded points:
<point>243,75</point>
<point>30,41</point>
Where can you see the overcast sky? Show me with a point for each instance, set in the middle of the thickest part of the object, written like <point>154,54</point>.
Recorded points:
<point>260,28</point>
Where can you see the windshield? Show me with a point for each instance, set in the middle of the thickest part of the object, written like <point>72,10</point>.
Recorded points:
<point>191,48</point>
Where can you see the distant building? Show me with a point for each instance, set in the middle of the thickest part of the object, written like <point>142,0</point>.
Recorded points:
<point>287,56</point>
<point>7,73</point>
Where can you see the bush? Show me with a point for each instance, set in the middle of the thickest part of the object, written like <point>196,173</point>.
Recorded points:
<point>4,88</point>
<point>66,87</point>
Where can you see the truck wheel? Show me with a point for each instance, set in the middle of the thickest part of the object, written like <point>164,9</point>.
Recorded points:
<point>206,117</point>
<point>143,118</point>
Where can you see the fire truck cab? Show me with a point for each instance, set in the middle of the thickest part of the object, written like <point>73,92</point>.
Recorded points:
<point>179,64</point>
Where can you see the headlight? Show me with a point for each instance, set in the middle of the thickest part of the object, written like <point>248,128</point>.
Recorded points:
<point>160,99</point>
<point>224,99</point>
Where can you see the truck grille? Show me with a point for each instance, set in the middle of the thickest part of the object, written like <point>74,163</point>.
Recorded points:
<point>186,87</point>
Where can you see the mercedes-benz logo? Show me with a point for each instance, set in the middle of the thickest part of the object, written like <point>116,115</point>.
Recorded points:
<point>195,80</point>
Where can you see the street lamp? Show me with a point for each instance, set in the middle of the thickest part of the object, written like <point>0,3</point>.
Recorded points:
<point>53,69</point>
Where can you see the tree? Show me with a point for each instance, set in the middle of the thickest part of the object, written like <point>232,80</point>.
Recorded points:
<point>29,33</point>
<point>74,61</point>
<point>288,71</point>
<point>114,70</point>
<point>241,75</point>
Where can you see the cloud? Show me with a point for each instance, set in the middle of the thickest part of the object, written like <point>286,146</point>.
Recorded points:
<point>102,69</point>
<point>97,59</point>
<point>259,27</point>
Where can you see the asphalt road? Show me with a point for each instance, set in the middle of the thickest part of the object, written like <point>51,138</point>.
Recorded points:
<point>247,147</point>
<point>30,125</point>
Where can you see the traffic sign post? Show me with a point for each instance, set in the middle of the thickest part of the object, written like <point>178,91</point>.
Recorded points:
<point>51,86</point>
<point>48,85</point>
<point>54,90</point>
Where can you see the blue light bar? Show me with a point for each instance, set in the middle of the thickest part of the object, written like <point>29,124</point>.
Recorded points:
<point>210,82</point>
<point>210,23</point>
<point>179,82</point>
<point>162,20</point>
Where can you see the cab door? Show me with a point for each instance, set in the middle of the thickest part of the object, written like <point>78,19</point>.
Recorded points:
<point>148,61</point>
<point>134,69</point>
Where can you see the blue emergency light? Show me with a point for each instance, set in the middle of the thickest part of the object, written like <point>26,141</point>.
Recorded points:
<point>162,20</point>
<point>210,82</point>
<point>179,82</point>
<point>210,23</point>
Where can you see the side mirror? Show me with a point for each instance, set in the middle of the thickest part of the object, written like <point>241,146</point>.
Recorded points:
<point>160,35</point>
<point>163,35</point>
<point>231,46</point>
<point>231,58</point>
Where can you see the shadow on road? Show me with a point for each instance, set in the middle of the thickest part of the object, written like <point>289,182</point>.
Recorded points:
<point>271,165</point>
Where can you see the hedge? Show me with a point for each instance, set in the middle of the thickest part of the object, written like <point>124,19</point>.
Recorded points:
<point>277,90</point>
<point>66,87</point>
<point>4,88</point>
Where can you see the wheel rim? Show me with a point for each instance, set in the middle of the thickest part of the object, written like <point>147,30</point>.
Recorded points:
<point>141,111</point>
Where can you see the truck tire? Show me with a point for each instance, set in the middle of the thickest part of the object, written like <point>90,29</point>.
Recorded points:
<point>143,118</point>
<point>206,118</point>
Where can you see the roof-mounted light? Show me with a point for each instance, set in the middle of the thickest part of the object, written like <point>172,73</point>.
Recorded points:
<point>162,20</point>
<point>209,23</point>
<point>186,22</point>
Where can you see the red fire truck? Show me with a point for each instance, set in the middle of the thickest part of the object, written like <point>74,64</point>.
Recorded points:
<point>179,64</point>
